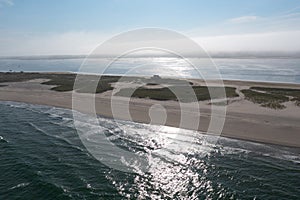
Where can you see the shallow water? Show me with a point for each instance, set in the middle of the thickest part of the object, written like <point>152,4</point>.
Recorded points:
<point>42,157</point>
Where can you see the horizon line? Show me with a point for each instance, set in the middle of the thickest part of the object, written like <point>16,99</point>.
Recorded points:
<point>229,54</point>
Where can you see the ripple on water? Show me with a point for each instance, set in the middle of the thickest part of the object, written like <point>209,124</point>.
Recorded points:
<point>44,158</point>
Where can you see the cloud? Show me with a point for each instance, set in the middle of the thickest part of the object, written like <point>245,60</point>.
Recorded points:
<point>67,43</point>
<point>6,3</point>
<point>251,24</point>
<point>291,10</point>
<point>277,33</point>
<point>79,43</point>
<point>244,19</point>
<point>288,41</point>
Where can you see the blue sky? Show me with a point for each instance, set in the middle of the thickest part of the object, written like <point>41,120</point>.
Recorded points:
<point>51,23</point>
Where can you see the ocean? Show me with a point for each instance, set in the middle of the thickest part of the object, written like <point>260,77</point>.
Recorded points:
<point>42,157</point>
<point>253,69</point>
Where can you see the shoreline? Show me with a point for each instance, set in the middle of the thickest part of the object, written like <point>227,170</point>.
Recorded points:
<point>244,120</point>
<point>225,81</point>
<point>200,132</point>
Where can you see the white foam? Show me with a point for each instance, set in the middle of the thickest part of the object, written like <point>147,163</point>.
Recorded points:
<point>159,137</point>
<point>19,185</point>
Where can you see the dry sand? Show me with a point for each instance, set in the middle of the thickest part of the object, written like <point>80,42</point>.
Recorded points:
<point>244,120</point>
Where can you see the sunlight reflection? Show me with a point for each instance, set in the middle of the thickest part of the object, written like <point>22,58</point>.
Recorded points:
<point>174,171</point>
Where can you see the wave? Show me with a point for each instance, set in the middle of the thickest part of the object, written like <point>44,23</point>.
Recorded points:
<point>2,139</point>
<point>19,186</point>
<point>157,137</point>
<point>182,163</point>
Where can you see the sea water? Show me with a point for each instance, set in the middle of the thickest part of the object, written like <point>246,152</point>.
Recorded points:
<point>42,157</point>
<point>254,69</point>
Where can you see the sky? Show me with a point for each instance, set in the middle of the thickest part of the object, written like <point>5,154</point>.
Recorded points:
<point>71,27</point>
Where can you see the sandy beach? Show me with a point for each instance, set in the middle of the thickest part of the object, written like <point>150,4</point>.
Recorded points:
<point>244,119</point>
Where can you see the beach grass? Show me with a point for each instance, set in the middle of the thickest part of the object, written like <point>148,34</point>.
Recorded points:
<point>293,94</point>
<point>84,83</point>
<point>64,82</point>
<point>19,77</point>
<point>177,90</point>
<point>265,99</point>
<point>152,84</point>
<point>179,93</point>
<point>282,91</point>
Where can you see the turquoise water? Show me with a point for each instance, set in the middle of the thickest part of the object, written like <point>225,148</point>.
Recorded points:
<point>42,157</point>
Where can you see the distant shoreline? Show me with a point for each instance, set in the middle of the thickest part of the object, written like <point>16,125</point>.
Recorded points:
<point>245,120</point>
<point>246,81</point>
